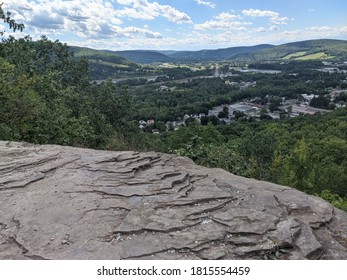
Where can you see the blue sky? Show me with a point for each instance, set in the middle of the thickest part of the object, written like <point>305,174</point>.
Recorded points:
<point>179,24</point>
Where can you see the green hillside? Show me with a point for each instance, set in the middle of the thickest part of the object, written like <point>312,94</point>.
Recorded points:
<point>141,56</point>
<point>324,49</point>
<point>219,54</point>
<point>107,61</point>
<point>103,64</point>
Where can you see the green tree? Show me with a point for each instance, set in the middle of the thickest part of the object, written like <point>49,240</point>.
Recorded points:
<point>6,18</point>
<point>301,170</point>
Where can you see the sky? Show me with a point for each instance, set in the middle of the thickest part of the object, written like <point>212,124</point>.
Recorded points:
<point>178,24</point>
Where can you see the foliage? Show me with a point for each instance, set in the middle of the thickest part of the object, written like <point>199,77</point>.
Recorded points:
<point>6,18</point>
<point>334,199</point>
<point>46,97</point>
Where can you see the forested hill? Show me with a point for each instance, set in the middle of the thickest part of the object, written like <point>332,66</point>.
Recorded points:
<point>140,56</point>
<point>147,56</point>
<point>219,54</point>
<point>121,58</point>
<point>323,49</point>
<point>102,63</point>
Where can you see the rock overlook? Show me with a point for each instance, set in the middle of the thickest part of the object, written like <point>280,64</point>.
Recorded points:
<point>69,203</point>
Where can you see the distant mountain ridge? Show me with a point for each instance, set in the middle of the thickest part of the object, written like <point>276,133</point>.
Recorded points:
<point>322,49</point>
<point>218,54</point>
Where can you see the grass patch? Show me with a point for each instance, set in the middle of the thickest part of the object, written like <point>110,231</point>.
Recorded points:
<point>292,55</point>
<point>108,63</point>
<point>319,55</point>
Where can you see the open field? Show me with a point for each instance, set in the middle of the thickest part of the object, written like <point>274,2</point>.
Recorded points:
<point>319,55</point>
<point>294,55</point>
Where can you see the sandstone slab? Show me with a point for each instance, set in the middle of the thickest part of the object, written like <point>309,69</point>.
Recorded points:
<point>70,203</point>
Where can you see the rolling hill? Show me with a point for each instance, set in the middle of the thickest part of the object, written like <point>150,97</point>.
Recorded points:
<point>324,49</point>
<point>106,63</point>
<point>142,56</point>
<point>103,64</point>
<point>219,54</point>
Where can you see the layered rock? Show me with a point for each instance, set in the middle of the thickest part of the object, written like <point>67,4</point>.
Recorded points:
<point>69,203</point>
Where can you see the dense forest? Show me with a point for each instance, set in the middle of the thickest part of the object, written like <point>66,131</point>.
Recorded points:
<point>46,97</point>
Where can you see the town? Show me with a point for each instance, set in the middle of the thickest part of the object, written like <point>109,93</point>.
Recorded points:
<point>255,108</point>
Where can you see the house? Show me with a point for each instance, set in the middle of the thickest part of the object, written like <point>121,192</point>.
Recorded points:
<point>227,82</point>
<point>186,116</point>
<point>149,122</point>
<point>308,97</point>
<point>142,124</point>
<point>162,88</point>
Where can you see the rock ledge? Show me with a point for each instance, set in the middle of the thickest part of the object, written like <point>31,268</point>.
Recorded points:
<point>69,203</point>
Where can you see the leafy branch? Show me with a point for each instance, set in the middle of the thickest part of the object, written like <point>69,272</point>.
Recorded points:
<point>11,22</point>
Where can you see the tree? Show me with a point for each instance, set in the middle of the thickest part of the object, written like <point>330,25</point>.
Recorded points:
<point>224,114</point>
<point>204,120</point>
<point>274,104</point>
<point>320,102</point>
<point>46,97</point>
<point>301,167</point>
<point>6,18</point>
<point>114,103</point>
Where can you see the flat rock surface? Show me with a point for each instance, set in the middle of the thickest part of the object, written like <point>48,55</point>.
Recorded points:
<point>69,203</point>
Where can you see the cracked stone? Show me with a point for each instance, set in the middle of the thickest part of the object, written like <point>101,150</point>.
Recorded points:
<point>130,205</point>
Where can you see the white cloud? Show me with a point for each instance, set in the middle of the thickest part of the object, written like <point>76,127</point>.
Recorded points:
<point>125,2</point>
<point>124,25</point>
<point>142,9</point>
<point>86,18</point>
<point>206,3</point>
<point>259,29</point>
<point>227,16</point>
<point>46,20</point>
<point>131,30</point>
<point>225,21</point>
<point>273,28</point>
<point>320,28</point>
<point>274,16</point>
<point>131,13</point>
<point>314,32</point>
<point>173,15</point>
<point>279,20</point>
<point>220,25</point>
<point>259,13</point>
